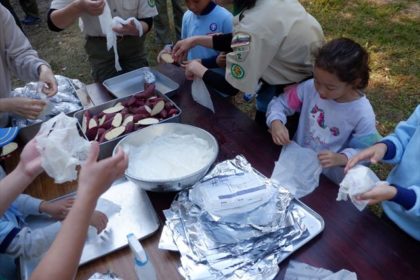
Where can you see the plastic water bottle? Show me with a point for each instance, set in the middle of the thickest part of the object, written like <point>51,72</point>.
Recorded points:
<point>142,265</point>
<point>248,96</point>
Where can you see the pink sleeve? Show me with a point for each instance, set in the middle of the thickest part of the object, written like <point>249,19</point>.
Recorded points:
<point>293,100</point>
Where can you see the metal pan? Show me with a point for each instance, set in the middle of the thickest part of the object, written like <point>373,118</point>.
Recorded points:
<point>132,82</point>
<point>107,147</point>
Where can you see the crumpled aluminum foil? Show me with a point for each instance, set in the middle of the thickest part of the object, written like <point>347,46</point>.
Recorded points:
<point>244,246</point>
<point>65,100</point>
<point>149,77</point>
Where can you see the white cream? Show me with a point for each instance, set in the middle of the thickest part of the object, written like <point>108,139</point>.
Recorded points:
<point>169,157</point>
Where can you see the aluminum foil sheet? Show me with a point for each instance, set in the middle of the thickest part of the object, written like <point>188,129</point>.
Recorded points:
<point>65,100</point>
<point>149,77</point>
<point>245,245</point>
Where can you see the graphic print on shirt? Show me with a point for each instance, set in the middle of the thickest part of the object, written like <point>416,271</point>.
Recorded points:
<point>320,132</point>
<point>213,27</point>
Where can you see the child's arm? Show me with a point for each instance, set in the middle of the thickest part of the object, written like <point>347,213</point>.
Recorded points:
<point>30,243</point>
<point>402,135</point>
<point>26,171</point>
<point>374,154</point>
<point>330,159</point>
<point>57,209</point>
<point>404,197</point>
<point>278,109</point>
<point>284,105</point>
<point>62,259</point>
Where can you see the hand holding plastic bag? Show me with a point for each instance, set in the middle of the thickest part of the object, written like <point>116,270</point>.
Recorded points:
<point>298,170</point>
<point>61,148</point>
<point>358,180</point>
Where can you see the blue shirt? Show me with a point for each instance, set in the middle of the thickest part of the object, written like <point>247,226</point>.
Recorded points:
<point>215,19</point>
<point>405,174</point>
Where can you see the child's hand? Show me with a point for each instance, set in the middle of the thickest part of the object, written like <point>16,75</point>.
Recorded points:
<point>279,133</point>
<point>99,220</point>
<point>193,69</point>
<point>57,209</point>
<point>330,159</point>
<point>180,50</point>
<point>377,194</point>
<point>95,177</point>
<point>374,154</point>
<point>30,160</point>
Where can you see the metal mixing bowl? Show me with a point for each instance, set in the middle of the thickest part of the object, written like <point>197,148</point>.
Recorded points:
<point>147,134</point>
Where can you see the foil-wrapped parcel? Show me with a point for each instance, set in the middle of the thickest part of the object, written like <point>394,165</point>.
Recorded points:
<point>65,100</point>
<point>233,224</point>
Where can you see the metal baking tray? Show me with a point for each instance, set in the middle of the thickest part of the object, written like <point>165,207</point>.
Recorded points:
<point>132,82</point>
<point>107,147</point>
<point>313,222</point>
<point>137,216</point>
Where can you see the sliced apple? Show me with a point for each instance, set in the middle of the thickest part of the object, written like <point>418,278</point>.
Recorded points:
<point>127,119</point>
<point>114,133</point>
<point>158,108</point>
<point>114,109</point>
<point>85,120</point>
<point>92,123</point>
<point>117,120</point>
<point>148,109</point>
<point>8,149</point>
<point>167,58</point>
<point>148,121</point>
<point>102,120</point>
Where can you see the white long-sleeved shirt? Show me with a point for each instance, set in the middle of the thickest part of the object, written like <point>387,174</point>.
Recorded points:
<point>326,124</point>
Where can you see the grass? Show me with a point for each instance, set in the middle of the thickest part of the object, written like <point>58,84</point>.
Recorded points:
<point>389,29</point>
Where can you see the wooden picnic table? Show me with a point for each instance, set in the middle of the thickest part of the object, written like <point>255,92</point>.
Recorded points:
<point>372,247</point>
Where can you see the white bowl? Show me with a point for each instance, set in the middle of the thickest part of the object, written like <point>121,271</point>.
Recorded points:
<point>147,134</point>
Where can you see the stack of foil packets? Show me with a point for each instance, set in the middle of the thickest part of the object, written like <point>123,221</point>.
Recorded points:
<point>240,245</point>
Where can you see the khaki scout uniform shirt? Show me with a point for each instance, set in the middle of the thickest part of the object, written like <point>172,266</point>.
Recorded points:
<point>275,40</point>
<point>17,57</point>
<point>125,9</point>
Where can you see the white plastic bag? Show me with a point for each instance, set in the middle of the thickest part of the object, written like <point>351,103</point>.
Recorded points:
<point>105,20</point>
<point>358,180</point>
<point>201,95</point>
<point>298,170</point>
<point>61,148</point>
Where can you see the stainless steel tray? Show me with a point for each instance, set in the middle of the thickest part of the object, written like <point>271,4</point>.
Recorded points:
<point>137,216</point>
<point>313,222</point>
<point>107,147</point>
<point>132,82</point>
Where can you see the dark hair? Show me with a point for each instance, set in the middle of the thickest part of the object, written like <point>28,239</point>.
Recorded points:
<point>241,5</point>
<point>346,59</point>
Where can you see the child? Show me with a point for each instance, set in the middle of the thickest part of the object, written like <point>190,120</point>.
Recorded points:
<point>95,177</point>
<point>205,17</point>
<point>16,239</point>
<point>400,197</point>
<point>336,117</point>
